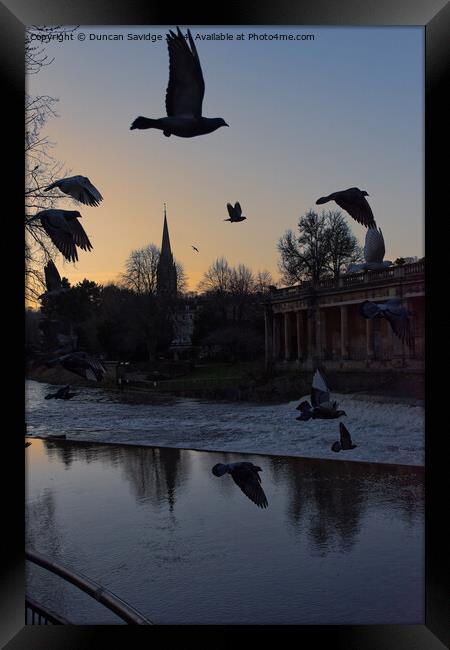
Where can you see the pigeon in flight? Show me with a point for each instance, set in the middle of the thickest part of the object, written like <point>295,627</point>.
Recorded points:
<point>184,95</point>
<point>346,439</point>
<point>374,251</point>
<point>195,248</point>
<point>246,476</point>
<point>79,188</point>
<point>65,231</point>
<point>399,317</point>
<point>62,393</point>
<point>82,364</point>
<point>321,408</point>
<point>354,202</point>
<point>52,281</point>
<point>235,213</point>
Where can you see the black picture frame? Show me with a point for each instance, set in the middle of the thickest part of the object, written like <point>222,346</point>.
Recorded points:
<point>434,15</point>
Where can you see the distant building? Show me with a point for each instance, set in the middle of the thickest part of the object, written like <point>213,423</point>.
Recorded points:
<point>307,325</point>
<point>166,273</point>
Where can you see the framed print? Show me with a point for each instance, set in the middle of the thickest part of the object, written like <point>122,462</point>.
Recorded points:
<point>231,353</point>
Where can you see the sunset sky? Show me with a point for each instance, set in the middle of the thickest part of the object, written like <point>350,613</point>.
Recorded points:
<point>306,118</point>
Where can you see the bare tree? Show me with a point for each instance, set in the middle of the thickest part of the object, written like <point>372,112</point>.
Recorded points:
<point>263,281</point>
<point>141,271</point>
<point>323,247</point>
<point>217,279</point>
<point>343,248</point>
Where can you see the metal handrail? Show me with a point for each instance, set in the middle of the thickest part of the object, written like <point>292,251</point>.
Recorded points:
<point>101,594</point>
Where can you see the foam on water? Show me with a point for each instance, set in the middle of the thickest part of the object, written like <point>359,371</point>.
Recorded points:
<point>383,432</point>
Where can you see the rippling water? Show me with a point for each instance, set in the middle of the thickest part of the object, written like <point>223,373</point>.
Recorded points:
<point>340,542</point>
<point>383,432</point>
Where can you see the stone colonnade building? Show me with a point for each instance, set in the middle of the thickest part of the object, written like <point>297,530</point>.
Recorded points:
<point>307,325</point>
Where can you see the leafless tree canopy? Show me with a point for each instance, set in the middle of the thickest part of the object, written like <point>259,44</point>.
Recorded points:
<point>324,245</point>
<point>41,168</point>
<point>140,271</point>
<point>221,278</point>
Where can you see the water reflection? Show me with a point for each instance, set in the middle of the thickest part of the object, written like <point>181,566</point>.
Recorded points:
<point>154,474</point>
<point>109,511</point>
<point>328,500</point>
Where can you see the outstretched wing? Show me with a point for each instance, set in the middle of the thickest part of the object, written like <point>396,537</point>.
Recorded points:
<point>79,235</point>
<point>250,483</point>
<point>356,205</point>
<point>186,86</point>
<point>52,277</point>
<point>369,309</point>
<point>346,439</point>
<point>400,322</point>
<point>62,238</point>
<point>374,248</point>
<point>230,210</point>
<point>320,394</point>
<point>237,207</point>
<point>79,188</point>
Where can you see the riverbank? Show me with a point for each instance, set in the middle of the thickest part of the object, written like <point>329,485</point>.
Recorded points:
<point>245,382</point>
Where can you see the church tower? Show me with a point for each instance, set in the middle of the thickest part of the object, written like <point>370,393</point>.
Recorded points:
<point>166,273</point>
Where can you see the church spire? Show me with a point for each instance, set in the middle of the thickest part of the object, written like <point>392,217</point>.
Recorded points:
<point>165,246</point>
<point>166,273</point>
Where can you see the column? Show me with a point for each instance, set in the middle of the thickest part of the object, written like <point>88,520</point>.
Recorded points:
<point>298,316</point>
<point>319,333</point>
<point>309,332</point>
<point>344,332</point>
<point>268,328</point>
<point>369,339</point>
<point>287,336</point>
<point>276,336</point>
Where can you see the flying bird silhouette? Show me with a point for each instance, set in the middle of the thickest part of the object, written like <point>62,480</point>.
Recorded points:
<point>53,282</point>
<point>322,408</point>
<point>65,231</point>
<point>82,364</point>
<point>246,477</point>
<point>398,317</point>
<point>354,202</point>
<point>184,95</point>
<point>374,250</point>
<point>79,188</point>
<point>62,393</point>
<point>235,213</point>
<point>345,439</point>
<point>195,248</point>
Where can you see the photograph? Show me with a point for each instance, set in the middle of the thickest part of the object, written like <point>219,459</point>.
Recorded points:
<point>225,325</point>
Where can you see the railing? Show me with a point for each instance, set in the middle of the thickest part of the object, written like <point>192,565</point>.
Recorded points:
<point>361,277</point>
<point>90,587</point>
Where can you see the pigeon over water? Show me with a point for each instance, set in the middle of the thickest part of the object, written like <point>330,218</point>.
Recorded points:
<point>79,188</point>
<point>82,364</point>
<point>322,408</point>
<point>62,393</point>
<point>246,476</point>
<point>184,95</point>
<point>65,231</point>
<point>235,213</point>
<point>354,202</point>
<point>345,439</point>
<point>398,317</point>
